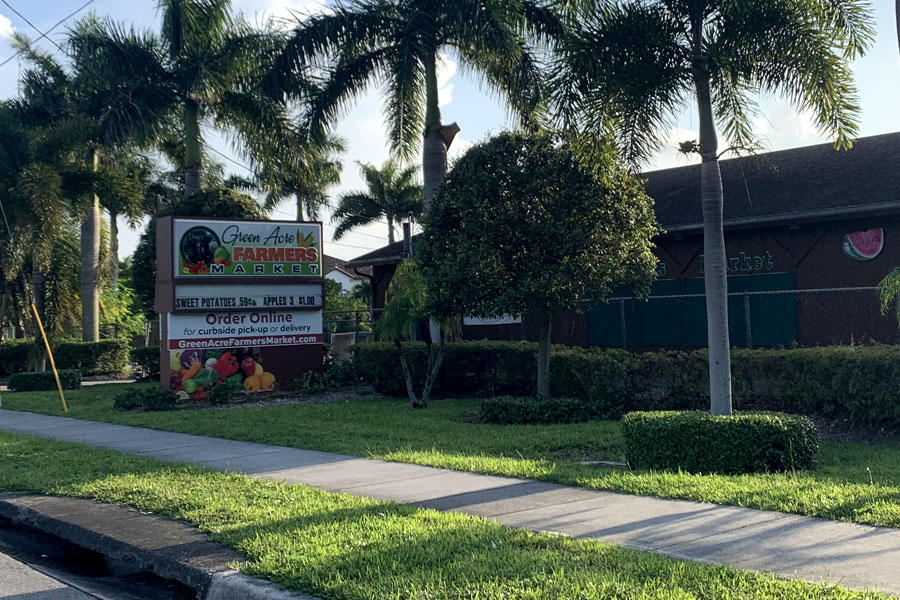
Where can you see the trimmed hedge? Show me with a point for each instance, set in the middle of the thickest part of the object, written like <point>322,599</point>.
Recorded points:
<point>106,357</point>
<point>698,442</point>
<point>857,383</point>
<point>146,359</point>
<point>70,379</point>
<point>14,356</point>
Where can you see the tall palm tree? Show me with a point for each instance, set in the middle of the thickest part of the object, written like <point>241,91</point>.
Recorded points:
<point>392,193</point>
<point>397,44</point>
<point>201,69</point>
<point>62,116</point>
<point>305,172</point>
<point>637,64</point>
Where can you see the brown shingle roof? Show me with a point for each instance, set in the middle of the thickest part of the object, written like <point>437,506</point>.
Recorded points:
<point>801,184</point>
<point>330,263</point>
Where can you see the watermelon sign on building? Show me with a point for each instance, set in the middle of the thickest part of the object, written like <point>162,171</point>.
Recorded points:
<point>241,306</point>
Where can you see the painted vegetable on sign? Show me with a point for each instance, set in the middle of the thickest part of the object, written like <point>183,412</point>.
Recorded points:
<point>864,245</point>
<point>200,371</point>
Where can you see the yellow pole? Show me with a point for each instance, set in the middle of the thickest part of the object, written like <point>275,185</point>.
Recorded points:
<point>40,325</point>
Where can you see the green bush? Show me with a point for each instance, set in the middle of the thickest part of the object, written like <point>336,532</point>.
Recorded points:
<point>14,356</point>
<point>147,399</point>
<point>146,359</point>
<point>70,379</point>
<point>106,357</point>
<point>860,384</point>
<point>698,442</point>
<point>512,410</point>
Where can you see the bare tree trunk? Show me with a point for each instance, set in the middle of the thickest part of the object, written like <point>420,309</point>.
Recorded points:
<point>543,356</point>
<point>714,259</point>
<point>407,376</point>
<point>434,366</point>
<point>39,285</point>
<point>90,259</point>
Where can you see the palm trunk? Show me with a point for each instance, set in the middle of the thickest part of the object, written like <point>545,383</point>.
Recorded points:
<point>715,262</point>
<point>543,357</point>
<point>39,286</point>
<point>299,207</point>
<point>897,15</point>
<point>113,247</point>
<point>90,259</point>
<point>193,154</point>
<point>434,149</point>
<point>390,223</point>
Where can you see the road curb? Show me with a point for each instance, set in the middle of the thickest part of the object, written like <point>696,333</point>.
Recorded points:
<point>231,585</point>
<point>133,541</point>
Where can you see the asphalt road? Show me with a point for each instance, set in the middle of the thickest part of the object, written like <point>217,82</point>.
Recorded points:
<point>20,582</point>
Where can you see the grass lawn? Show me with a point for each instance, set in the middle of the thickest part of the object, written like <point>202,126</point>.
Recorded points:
<point>345,547</point>
<point>853,482</point>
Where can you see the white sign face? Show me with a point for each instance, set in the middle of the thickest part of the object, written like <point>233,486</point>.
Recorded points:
<point>194,297</point>
<point>504,320</point>
<point>244,329</point>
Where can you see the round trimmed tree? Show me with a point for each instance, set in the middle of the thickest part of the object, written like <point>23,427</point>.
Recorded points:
<point>523,227</point>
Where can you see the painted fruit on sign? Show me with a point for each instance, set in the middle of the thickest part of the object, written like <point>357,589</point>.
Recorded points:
<point>864,245</point>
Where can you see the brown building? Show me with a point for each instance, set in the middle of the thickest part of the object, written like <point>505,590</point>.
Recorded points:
<point>809,233</point>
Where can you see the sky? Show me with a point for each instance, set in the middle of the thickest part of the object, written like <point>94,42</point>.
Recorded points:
<point>479,114</point>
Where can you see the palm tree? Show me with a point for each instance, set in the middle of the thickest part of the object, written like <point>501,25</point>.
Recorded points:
<point>392,194</point>
<point>305,172</point>
<point>200,70</point>
<point>637,64</point>
<point>398,44</point>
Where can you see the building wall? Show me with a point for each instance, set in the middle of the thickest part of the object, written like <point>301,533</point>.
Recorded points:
<point>347,282</point>
<point>801,257</point>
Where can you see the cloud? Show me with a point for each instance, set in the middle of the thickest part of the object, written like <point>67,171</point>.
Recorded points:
<point>6,27</point>
<point>446,71</point>
<point>282,12</point>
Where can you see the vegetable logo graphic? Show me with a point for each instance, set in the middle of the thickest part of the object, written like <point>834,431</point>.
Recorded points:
<point>199,246</point>
<point>864,245</point>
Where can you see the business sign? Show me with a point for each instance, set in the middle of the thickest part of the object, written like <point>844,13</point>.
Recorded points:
<point>481,321</point>
<point>244,329</point>
<point>190,297</point>
<point>207,249</point>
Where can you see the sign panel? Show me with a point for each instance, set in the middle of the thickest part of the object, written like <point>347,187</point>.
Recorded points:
<point>251,249</point>
<point>191,297</point>
<point>244,329</point>
<point>504,320</point>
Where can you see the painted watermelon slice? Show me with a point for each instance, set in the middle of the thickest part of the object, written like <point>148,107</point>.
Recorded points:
<point>864,245</point>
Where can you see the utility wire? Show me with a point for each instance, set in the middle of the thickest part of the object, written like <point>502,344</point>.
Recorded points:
<point>43,35</point>
<point>54,26</point>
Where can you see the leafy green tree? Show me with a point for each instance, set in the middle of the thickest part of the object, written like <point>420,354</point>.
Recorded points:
<point>201,70</point>
<point>397,44</point>
<point>635,65</point>
<point>405,309</point>
<point>346,306</point>
<point>523,227</point>
<point>392,193</point>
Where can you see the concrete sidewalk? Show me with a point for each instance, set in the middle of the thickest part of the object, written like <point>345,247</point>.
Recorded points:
<point>816,550</point>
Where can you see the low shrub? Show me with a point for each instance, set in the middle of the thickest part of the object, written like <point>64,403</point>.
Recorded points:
<point>859,384</point>
<point>14,356</point>
<point>512,410</point>
<point>147,399</point>
<point>30,381</point>
<point>146,359</point>
<point>106,357</point>
<point>697,442</point>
